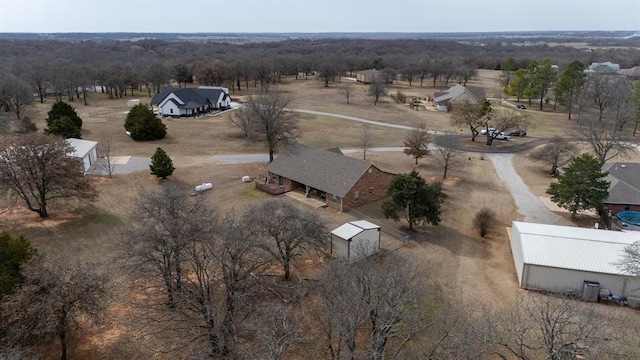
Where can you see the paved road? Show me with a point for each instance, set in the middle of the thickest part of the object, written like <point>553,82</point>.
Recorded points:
<point>529,206</point>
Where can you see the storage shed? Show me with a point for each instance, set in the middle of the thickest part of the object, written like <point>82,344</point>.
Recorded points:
<point>355,240</point>
<point>86,150</point>
<point>562,258</point>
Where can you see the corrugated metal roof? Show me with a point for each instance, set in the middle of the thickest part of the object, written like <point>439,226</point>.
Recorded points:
<point>574,248</point>
<point>353,228</point>
<point>347,231</point>
<point>82,147</point>
<point>364,224</point>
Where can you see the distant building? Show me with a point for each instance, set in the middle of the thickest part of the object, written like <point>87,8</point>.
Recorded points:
<point>605,67</point>
<point>367,76</point>
<point>458,94</point>
<point>187,102</point>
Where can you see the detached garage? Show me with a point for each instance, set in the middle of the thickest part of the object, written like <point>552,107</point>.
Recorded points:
<point>561,259</point>
<point>355,240</point>
<point>85,150</point>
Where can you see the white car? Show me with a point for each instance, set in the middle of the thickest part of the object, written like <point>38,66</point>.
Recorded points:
<point>500,136</point>
<point>484,131</point>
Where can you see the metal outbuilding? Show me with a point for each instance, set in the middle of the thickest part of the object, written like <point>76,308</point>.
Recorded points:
<point>85,150</point>
<point>561,258</point>
<point>355,240</point>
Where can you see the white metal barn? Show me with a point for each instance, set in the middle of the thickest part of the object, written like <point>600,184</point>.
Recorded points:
<point>561,258</point>
<point>355,240</point>
<point>86,150</point>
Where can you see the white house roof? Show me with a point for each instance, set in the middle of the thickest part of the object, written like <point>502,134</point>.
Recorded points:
<point>351,229</point>
<point>574,248</point>
<point>82,147</point>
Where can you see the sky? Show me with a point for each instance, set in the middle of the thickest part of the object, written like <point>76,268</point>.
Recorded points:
<point>246,16</point>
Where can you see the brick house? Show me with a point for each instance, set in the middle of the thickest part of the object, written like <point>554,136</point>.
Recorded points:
<point>340,181</point>
<point>624,188</point>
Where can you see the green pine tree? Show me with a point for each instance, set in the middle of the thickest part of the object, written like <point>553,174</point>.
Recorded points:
<point>63,126</point>
<point>161,164</point>
<point>582,186</point>
<point>14,252</point>
<point>60,109</point>
<point>144,125</point>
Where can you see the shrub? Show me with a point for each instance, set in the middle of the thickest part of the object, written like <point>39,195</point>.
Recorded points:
<point>61,109</point>
<point>64,127</point>
<point>484,220</point>
<point>14,252</point>
<point>144,125</point>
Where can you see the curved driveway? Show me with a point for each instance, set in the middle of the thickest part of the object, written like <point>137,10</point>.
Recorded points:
<point>530,206</point>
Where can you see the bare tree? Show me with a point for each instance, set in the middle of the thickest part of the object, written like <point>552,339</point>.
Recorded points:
<point>474,116</point>
<point>416,143</point>
<point>107,157</point>
<point>275,121</point>
<point>483,220</point>
<point>366,140</point>
<point>604,110</point>
<point>631,259</point>
<point>287,232</point>
<point>277,330</point>
<point>374,305</point>
<point>38,169</point>
<point>504,121</point>
<point>245,120</point>
<point>446,154</point>
<point>557,153</point>
<point>163,223</point>
<point>377,88</point>
<point>347,89</point>
<point>16,94</point>
<point>56,294</point>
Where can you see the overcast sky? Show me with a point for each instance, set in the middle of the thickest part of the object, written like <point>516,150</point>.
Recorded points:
<point>316,15</point>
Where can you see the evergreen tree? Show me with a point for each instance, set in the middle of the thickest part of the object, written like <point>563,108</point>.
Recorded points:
<point>13,253</point>
<point>60,109</point>
<point>161,164</point>
<point>411,195</point>
<point>64,127</point>
<point>144,125</point>
<point>570,82</point>
<point>582,186</point>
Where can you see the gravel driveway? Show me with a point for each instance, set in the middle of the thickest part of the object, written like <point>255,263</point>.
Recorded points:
<point>530,206</point>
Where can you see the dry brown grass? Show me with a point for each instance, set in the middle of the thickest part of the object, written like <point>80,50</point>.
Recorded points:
<point>458,261</point>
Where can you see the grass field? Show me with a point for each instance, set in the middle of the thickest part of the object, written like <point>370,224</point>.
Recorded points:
<point>459,262</point>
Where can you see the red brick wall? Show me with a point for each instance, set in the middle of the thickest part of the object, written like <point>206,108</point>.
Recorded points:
<point>372,187</point>
<point>616,208</point>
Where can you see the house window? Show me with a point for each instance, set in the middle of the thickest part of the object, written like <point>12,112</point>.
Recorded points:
<point>334,199</point>
<point>627,207</point>
<point>357,196</point>
<point>280,181</point>
<point>370,190</point>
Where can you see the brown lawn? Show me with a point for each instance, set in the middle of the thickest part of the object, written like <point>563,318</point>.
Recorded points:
<point>457,260</point>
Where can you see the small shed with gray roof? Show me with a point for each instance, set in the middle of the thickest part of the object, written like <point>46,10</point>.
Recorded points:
<point>458,94</point>
<point>355,240</point>
<point>85,150</point>
<point>624,187</point>
<point>340,181</point>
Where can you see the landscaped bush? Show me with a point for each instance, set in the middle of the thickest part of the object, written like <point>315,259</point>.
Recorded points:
<point>60,109</point>
<point>64,127</point>
<point>144,125</point>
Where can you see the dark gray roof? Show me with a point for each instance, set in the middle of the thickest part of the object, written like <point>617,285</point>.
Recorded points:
<point>457,90</point>
<point>336,150</point>
<point>478,92</point>
<point>193,98</point>
<point>625,183</point>
<point>321,169</point>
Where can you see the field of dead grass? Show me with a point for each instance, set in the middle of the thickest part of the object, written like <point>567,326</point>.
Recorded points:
<point>457,260</point>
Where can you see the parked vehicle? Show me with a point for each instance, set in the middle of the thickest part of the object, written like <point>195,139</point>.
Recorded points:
<point>500,136</point>
<point>518,133</point>
<point>484,131</point>
<point>522,107</point>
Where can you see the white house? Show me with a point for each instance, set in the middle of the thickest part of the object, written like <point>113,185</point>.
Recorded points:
<point>562,258</point>
<point>355,240</point>
<point>187,102</point>
<point>458,94</point>
<point>86,150</point>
